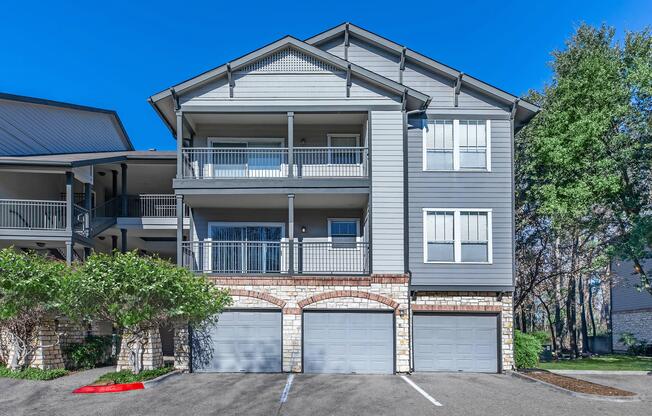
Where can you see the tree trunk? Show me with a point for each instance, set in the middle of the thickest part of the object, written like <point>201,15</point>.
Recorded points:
<point>591,314</point>
<point>583,325</point>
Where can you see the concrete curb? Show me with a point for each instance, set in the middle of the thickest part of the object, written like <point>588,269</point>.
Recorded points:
<point>600,373</point>
<point>617,399</point>
<point>158,380</point>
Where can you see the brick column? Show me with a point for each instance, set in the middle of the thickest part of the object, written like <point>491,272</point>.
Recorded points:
<point>292,340</point>
<point>152,352</point>
<point>181,346</point>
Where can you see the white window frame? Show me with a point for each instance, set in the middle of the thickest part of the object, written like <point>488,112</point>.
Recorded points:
<point>456,145</point>
<point>329,142</point>
<point>358,237</point>
<point>457,235</point>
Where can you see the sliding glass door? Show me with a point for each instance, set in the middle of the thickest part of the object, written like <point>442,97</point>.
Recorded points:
<point>246,248</point>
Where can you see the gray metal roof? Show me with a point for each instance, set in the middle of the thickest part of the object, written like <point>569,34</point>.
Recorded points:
<point>422,60</point>
<point>85,159</point>
<point>34,126</point>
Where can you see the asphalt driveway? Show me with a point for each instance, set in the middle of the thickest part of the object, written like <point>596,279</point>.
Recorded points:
<point>316,395</point>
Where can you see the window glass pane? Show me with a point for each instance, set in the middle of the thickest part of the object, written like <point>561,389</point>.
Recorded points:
<point>448,134</point>
<point>344,141</point>
<point>441,252</point>
<point>439,160</point>
<point>344,228</point>
<point>474,226</point>
<point>439,227</point>
<point>464,134</point>
<point>482,133</point>
<point>473,159</point>
<point>476,252</point>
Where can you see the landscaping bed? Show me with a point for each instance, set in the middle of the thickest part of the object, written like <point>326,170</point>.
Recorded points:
<point>612,362</point>
<point>33,374</point>
<point>126,376</point>
<point>576,385</point>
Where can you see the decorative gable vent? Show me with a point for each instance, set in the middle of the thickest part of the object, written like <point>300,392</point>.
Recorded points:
<point>288,60</point>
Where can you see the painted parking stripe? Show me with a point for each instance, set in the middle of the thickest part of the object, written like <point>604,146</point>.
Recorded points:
<point>421,391</point>
<point>286,390</point>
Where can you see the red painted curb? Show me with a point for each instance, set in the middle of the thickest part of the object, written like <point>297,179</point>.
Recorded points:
<point>111,388</point>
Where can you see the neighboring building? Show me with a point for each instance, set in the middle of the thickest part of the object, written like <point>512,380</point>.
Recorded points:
<point>631,308</point>
<point>354,196</point>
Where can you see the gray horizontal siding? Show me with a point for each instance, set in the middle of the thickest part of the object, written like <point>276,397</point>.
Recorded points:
<point>625,295</point>
<point>35,129</point>
<point>438,87</point>
<point>488,190</point>
<point>374,59</point>
<point>387,191</point>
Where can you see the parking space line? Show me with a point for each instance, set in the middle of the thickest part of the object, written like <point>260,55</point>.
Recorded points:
<point>421,391</point>
<point>286,390</point>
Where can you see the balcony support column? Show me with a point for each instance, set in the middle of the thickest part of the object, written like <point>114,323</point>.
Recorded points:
<point>69,250</point>
<point>70,180</point>
<point>179,144</point>
<point>123,188</point>
<point>114,183</point>
<point>114,243</point>
<point>291,233</point>
<point>179,230</point>
<point>123,240</point>
<point>290,144</point>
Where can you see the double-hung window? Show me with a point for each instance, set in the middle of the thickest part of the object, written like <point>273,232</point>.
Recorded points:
<point>439,145</point>
<point>457,145</point>
<point>457,236</point>
<point>343,233</point>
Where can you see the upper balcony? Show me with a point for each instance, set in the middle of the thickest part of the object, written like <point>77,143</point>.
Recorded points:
<point>246,160</point>
<point>43,217</point>
<point>283,149</point>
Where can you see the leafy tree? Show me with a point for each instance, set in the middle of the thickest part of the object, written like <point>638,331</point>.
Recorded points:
<point>30,292</point>
<point>139,294</point>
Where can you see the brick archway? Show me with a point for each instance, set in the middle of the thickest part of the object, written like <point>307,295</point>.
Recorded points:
<point>258,295</point>
<point>348,294</point>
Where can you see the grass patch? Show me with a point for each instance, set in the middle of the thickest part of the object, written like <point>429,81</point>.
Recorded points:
<point>33,373</point>
<point>126,376</point>
<point>613,362</point>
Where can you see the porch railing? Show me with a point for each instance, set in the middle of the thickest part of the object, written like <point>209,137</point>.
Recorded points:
<point>81,220</point>
<point>261,257</point>
<point>26,214</point>
<point>245,162</point>
<point>152,205</point>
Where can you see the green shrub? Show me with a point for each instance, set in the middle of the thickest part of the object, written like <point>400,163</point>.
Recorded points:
<point>127,376</point>
<point>633,344</point>
<point>89,354</point>
<point>33,373</point>
<point>542,336</point>
<point>526,350</point>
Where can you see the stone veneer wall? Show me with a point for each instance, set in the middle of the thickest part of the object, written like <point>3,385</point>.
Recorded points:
<point>474,302</point>
<point>638,323</point>
<point>47,355</point>
<point>152,354</point>
<point>292,295</point>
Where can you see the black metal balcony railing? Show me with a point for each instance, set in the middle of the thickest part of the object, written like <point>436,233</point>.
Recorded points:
<point>247,162</point>
<point>268,257</point>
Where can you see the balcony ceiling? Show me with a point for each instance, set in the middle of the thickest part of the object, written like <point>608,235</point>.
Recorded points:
<point>305,201</point>
<point>279,119</point>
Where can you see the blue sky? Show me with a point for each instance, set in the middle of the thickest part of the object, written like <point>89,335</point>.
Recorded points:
<point>115,54</point>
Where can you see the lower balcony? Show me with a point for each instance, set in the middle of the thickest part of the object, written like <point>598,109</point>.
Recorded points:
<point>29,216</point>
<point>276,257</point>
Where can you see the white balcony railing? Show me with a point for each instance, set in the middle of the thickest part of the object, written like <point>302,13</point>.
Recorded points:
<point>26,214</point>
<point>272,257</point>
<point>248,162</point>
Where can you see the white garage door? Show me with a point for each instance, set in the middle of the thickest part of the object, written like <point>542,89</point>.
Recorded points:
<point>242,341</point>
<point>348,342</point>
<point>455,343</point>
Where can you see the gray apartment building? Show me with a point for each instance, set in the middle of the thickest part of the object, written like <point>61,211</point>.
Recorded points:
<point>355,196</point>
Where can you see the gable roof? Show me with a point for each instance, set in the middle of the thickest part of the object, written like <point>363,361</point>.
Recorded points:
<point>35,126</point>
<point>424,61</point>
<point>287,41</point>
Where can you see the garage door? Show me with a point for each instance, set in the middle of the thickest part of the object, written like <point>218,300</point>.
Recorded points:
<point>242,341</point>
<point>348,342</point>
<point>455,343</point>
